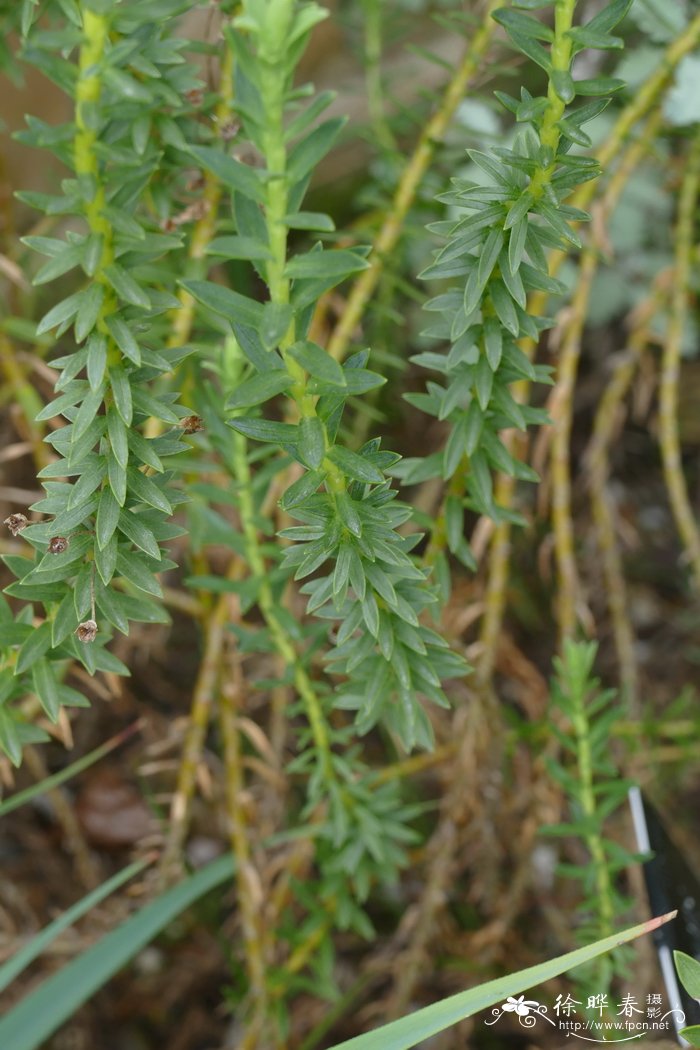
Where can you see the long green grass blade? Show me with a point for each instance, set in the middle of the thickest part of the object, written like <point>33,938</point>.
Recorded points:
<point>22,797</point>
<point>31,951</point>
<point>412,1029</point>
<point>37,1016</point>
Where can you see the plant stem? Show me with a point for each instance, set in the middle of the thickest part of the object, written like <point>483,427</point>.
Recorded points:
<point>87,94</point>
<point>670,364</point>
<point>373,74</point>
<point>250,893</point>
<point>267,605</point>
<point>598,466</point>
<point>498,568</point>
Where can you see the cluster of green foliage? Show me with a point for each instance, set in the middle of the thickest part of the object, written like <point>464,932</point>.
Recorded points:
<point>96,555</point>
<point>582,718</point>
<point>497,243</point>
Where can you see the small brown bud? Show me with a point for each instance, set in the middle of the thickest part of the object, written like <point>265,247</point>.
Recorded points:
<point>192,424</point>
<point>87,632</point>
<point>195,96</point>
<point>58,544</point>
<point>15,523</point>
<point>228,129</point>
<point>196,182</point>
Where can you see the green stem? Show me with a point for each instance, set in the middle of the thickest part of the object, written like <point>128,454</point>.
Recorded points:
<point>373,74</point>
<point>268,606</point>
<point>273,89</point>
<point>87,95</point>
<point>560,54</point>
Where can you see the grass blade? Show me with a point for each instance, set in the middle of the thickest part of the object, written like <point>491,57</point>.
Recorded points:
<point>415,1027</point>
<point>31,951</point>
<point>38,1016</point>
<point>21,797</point>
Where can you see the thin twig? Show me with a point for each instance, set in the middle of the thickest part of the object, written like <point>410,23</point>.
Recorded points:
<point>250,892</point>
<point>598,464</point>
<point>504,490</point>
<point>669,440</point>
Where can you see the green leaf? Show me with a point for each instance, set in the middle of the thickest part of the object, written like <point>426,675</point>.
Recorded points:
<point>229,304</point>
<point>355,466</point>
<point>116,476</point>
<point>266,430</point>
<point>487,259</point>
<point>46,688</point>
<point>563,84</point>
<point>336,264</point>
<point>574,132</point>
<point>134,568</point>
<point>121,390</point>
<point>59,314</point>
<point>454,522</point>
<point>480,483</point>
<point>107,517</point>
<point>108,602</point>
<point>106,560</point>
<point>89,310</point>
<point>70,256</point>
<point>526,44</point>
<point>493,342</point>
<point>96,360</point>
<point>239,248</point>
<point>134,529</point>
<point>146,490</point>
<point>524,24</point>
<point>10,740</point>
<point>420,1025</point>
<point>118,438</point>
<point>360,380</point>
<point>305,155</point>
<point>311,441</point>
<point>65,620</point>
<point>39,1014</point>
<point>153,406</point>
<point>601,85</point>
<point>519,210</point>
<point>585,37</point>
<point>121,333</point>
<point>318,363</point>
<point>85,416</point>
<point>276,320</point>
<point>36,645</point>
<point>516,244</point>
<point>126,287</point>
<point>558,224</point>
<point>300,490</point>
<point>611,15</point>
<point>260,388</point>
<point>309,220</point>
<point>483,382</point>
<point>504,307</point>
<point>230,172</point>
<point>689,973</point>
<point>143,448</point>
